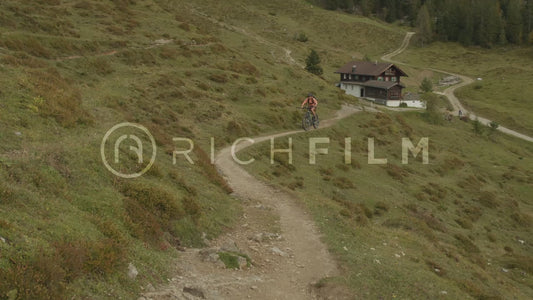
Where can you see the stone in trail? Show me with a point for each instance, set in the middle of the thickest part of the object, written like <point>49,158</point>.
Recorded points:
<point>195,291</point>
<point>132,271</point>
<point>277,251</point>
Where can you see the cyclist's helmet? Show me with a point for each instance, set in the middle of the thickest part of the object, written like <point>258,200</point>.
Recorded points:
<point>310,95</point>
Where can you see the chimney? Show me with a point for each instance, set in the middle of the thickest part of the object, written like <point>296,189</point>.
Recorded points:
<point>353,68</point>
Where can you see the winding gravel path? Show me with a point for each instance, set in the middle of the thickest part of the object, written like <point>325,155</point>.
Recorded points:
<point>450,92</point>
<point>284,268</point>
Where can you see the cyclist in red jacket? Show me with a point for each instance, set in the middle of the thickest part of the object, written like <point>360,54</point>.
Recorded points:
<point>311,102</point>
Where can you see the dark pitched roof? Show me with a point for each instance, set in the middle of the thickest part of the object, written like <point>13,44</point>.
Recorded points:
<point>367,68</point>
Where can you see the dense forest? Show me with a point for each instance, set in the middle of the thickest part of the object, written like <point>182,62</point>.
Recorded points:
<point>470,22</point>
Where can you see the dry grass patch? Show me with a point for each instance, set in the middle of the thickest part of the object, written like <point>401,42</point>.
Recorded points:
<point>55,97</point>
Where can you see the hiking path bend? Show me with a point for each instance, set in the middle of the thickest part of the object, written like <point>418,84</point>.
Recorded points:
<point>286,264</point>
<point>450,92</point>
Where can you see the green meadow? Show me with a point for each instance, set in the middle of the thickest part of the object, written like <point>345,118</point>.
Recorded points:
<point>456,227</point>
<point>70,70</point>
<point>503,91</point>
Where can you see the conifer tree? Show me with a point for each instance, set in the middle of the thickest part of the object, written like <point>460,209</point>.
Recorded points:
<point>426,85</point>
<point>423,23</point>
<point>514,22</point>
<point>312,63</point>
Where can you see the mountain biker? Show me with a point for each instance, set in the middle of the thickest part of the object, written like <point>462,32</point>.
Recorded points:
<point>311,102</point>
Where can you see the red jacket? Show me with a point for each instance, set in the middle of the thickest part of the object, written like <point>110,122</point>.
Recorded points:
<point>311,101</point>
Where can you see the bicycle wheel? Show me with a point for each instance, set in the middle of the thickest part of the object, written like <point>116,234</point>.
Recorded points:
<point>315,121</point>
<point>306,121</point>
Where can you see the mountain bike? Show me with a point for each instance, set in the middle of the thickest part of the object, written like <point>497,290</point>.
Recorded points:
<point>309,119</point>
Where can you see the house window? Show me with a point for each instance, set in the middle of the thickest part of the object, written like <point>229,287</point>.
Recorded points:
<point>356,77</point>
<point>380,78</point>
<point>387,78</point>
<point>393,79</point>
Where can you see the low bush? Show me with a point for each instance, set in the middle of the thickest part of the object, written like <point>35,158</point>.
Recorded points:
<point>409,223</point>
<point>301,37</point>
<point>150,210</point>
<point>24,60</point>
<point>343,183</point>
<point>137,57</point>
<point>436,268</point>
<point>298,184</point>
<point>343,167</point>
<point>6,194</point>
<point>46,273</point>
<point>380,208</point>
<point>56,97</point>
<point>27,45</point>
<point>473,213</point>
<point>407,129</point>
<point>231,259</point>
<point>39,276</point>
<point>90,257</point>
<point>236,129</point>
<point>466,244</point>
<point>522,219</point>
<point>351,209</point>
<point>192,208</point>
<point>435,192</point>
<point>185,26</point>
<point>203,86</point>
<point>100,66</point>
<point>464,223</point>
<point>470,183</point>
<point>516,261</point>
<point>245,68</point>
<point>488,199</point>
<point>168,53</point>
<point>219,78</point>
<point>396,172</point>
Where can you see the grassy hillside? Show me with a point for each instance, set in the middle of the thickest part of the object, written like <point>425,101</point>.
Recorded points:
<point>458,227</point>
<point>70,70</point>
<point>503,94</point>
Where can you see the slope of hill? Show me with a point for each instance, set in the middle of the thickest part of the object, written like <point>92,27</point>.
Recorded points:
<point>226,69</point>
<point>73,69</point>
<point>458,227</point>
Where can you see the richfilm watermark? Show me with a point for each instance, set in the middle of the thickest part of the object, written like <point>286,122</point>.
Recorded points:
<point>122,134</point>
<point>125,147</point>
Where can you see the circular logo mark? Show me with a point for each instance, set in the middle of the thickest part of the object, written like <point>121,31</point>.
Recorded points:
<point>137,149</point>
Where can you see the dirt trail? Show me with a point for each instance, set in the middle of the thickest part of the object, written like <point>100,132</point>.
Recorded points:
<point>450,92</point>
<point>403,46</point>
<point>275,231</point>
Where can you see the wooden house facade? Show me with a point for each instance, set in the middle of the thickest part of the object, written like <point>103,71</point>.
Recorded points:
<point>376,81</point>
